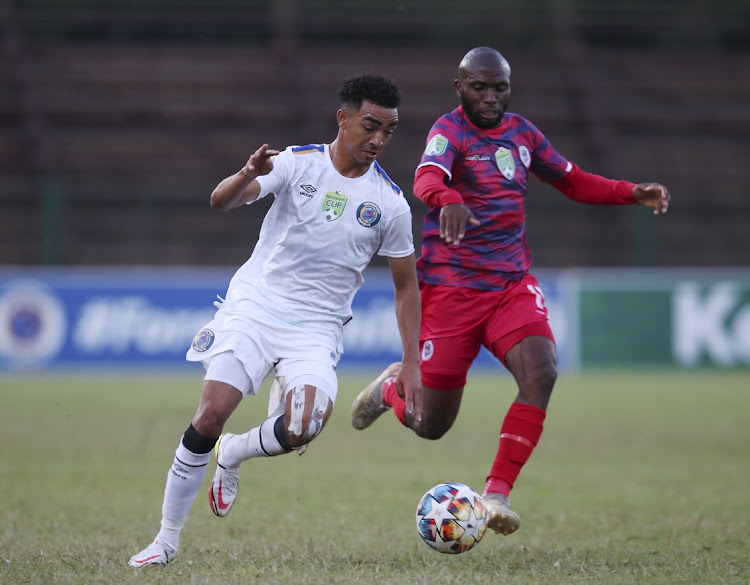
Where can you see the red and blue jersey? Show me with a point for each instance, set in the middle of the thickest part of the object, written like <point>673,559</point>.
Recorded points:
<point>490,169</point>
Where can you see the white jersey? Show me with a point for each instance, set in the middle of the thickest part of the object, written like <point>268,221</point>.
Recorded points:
<point>319,235</point>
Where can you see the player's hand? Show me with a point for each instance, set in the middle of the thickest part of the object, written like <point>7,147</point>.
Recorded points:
<point>260,162</point>
<point>409,387</point>
<point>453,220</point>
<point>653,195</point>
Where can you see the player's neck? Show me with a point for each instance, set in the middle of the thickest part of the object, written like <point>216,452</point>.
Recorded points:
<point>344,163</point>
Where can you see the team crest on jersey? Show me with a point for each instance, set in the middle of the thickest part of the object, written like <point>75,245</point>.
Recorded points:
<point>427,350</point>
<point>334,204</point>
<point>204,340</point>
<point>525,156</point>
<point>368,214</point>
<point>504,160</point>
<point>436,146</point>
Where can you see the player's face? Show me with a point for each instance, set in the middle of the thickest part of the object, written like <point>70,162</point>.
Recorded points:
<point>364,133</point>
<point>485,94</point>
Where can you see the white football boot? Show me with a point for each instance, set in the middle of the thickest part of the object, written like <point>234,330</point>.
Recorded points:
<point>156,553</point>
<point>226,482</point>
<point>368,405</point>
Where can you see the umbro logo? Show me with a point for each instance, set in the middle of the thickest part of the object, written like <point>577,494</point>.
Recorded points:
<point>307,190</point>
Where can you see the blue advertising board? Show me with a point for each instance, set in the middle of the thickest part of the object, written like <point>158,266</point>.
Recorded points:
<point>146,318</point>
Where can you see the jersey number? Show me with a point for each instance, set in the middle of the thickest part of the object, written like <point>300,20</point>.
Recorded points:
<point>537,292</point>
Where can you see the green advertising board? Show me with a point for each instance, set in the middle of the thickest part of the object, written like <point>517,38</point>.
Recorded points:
<point>686,318</point>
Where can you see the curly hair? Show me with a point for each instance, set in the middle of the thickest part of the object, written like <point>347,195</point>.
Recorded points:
<point>371,87</point>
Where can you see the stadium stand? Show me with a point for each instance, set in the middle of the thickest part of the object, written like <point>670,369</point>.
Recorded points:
<point>116,122</point>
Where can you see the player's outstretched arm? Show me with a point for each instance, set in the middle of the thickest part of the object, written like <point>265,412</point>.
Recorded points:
<point>408,316</point>
<point>241,187</point>
<point>653,195</point>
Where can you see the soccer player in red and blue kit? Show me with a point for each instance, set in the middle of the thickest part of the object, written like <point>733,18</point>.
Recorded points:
<point>474,271</point>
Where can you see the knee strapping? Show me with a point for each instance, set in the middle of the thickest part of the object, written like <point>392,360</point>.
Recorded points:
<point>317,411</point>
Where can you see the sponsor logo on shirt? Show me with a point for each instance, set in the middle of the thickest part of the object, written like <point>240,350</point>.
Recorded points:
<point>307,190</point>
<point>334,204</point>
<point>504,160</point>
<point>478,157</point>
<point>436,146</point>
<point>368,214</point>
<point>525,156</point>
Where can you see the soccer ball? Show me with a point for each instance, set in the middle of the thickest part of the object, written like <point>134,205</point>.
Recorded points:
<point>451,518</point>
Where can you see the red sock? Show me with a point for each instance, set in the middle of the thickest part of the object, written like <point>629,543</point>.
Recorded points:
<point>391,398</point>
<point>519,435</point>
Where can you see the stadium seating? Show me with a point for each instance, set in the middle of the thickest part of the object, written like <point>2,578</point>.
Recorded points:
<point>111,140</point>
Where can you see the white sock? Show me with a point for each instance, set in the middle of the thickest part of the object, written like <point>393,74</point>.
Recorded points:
<point>184,481</point>
<point>258,442</point>
<point>170,532</point>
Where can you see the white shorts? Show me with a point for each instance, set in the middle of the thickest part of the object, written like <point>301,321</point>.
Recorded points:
<point>242,350</point>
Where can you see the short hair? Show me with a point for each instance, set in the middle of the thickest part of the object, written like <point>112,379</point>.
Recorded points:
<point>371,87</point>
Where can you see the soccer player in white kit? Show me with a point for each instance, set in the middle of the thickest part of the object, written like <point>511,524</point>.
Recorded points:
<point>334,208</point>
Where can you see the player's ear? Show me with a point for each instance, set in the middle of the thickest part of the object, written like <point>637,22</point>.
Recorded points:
<point>341,117</point>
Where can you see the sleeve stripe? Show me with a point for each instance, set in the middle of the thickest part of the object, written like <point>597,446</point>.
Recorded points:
<point>441,167</point>
<point>396,189</point>
<point>308,148</point>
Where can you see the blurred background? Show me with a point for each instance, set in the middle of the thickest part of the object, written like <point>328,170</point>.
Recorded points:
<point>118,118</point>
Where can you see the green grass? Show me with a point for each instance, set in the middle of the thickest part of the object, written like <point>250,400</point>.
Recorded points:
<point>640,477</point>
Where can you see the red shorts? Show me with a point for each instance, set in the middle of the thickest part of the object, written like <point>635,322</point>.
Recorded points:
<point>457,321</point>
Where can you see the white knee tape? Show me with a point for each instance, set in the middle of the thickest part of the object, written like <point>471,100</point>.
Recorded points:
<point>317,416</point>
<point>294,426</point>
<point>317,413</point>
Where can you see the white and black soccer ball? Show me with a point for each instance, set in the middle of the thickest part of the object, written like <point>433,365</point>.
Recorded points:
<point>451,518</point>
<point>331,214</point>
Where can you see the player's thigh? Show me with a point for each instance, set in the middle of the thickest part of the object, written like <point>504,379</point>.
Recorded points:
<point>439,411</point>
<point>227,380</point>
<point>522,313</point>
<point>445,361</point>
<point>313,365</point>
<point>450,336</point>
<point>306,386</point>
<point>444,367</point>
<point>528,359</point>
<point>226,368</point>
<point>238,358</point>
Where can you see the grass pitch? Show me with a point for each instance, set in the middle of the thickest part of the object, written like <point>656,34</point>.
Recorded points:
<point>640,477</point>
